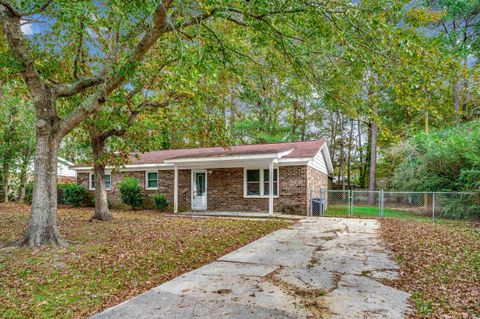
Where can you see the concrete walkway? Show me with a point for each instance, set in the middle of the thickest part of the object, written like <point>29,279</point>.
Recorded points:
<point>318,268</point>
<point>261,215</point>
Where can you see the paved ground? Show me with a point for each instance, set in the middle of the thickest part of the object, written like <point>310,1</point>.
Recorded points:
<point>318,268</point>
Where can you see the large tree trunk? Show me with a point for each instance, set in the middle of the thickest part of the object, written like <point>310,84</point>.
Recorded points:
<point>101,201</point>
<point>42,228</point>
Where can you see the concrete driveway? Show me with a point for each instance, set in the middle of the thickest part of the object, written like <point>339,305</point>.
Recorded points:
<point>317,268</point>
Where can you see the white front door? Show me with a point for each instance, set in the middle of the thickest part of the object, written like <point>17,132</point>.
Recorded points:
<point>199,190</point>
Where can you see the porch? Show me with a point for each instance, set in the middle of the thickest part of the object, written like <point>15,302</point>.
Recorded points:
<point>219,186</point>
<point>239,214</point>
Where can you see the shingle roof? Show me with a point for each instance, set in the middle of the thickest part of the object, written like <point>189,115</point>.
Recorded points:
<point>298,150</point>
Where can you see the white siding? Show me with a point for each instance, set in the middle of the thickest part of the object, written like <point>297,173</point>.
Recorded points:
<point>318,162</point>
<point>64,170</point>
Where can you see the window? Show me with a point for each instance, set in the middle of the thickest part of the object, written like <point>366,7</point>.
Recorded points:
<point>257,182</point>
<point>266,180</point>
<point>108,181</point>
<point>92,182</point>
<point>151,180</point>
<point>253,182</point>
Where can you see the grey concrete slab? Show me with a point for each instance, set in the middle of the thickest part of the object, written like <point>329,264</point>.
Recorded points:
<point>164,305</point>
<point>362,297</point>
<point>306,279</point>
<point>319,267</point>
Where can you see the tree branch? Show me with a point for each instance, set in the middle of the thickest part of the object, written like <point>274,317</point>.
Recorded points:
<point>159,27</point>
<point>91,104</point>
<point>65,90</point>
<point>20,14</point>
<point>42,8</point>
<point>10,8</point>
<point>10,21</point>
<point>132,117</point>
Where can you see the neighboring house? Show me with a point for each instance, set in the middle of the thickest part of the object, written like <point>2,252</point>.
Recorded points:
<point>264,177</point>
<point>64,172</point>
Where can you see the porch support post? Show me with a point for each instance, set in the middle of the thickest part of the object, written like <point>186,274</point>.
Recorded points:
<point>175,190</point>
<point>270,188</point>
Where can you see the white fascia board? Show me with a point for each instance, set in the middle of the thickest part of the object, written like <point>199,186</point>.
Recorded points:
<point>210,161</point>
<point>269,156</point>
<point>64,161</point>
<point>128,167</point>
<point>294,161</point>
<point>327,158</point>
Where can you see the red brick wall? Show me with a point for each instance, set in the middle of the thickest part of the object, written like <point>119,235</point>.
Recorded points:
<point>225,189</point>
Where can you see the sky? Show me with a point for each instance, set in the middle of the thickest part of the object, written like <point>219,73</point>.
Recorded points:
<point>27,29</point>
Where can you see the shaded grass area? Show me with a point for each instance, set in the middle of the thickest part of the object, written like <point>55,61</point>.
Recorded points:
<point>373,212</point>
<point>439,266</point>
<point>110,261</point>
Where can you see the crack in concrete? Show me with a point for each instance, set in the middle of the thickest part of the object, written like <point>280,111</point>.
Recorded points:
<point>311,299</point>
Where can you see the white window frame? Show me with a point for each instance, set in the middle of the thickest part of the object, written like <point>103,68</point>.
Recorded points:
<point>262,182</point>
<point>146,180</point>
<point>110,187</point>
<point>91,177</point>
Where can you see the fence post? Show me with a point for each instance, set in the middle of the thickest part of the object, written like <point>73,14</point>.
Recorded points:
<point>350,211</point>
<point>322,202</point>
<point>433,207</point>
<point>310,203</point>
<point>382,199</point>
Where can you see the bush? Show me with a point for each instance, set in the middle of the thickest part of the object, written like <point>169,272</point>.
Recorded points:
<point>74,194</point>
<point>160,201</point>
<point>61,192</point>
<point>131,192</point>
<point>442,160</point>
<point>460,206</point>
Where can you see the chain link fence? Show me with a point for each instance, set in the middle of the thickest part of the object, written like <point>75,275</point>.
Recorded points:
<point>386,204</point>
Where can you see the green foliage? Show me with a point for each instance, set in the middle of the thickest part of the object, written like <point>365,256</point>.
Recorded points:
<point>28,193</point>
<point>74,194</point>
<point>160,201</point>
<point>131,192</point>
<point>460,206</point>
<point>442,160</point>
<point>61,192</point>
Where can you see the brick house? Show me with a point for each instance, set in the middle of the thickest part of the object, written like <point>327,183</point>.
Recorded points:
<point>269,178</point>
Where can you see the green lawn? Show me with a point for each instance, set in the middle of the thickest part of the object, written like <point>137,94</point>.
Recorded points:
<point>109,262</point>
<point>372,212</point>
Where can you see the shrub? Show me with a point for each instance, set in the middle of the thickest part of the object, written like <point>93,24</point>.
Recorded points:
<point>131,192</point>
<point>75,194</point>
<point>442,160</point>
<point>61,192</point>
<point>460,206</point>
<point>160,201</point>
